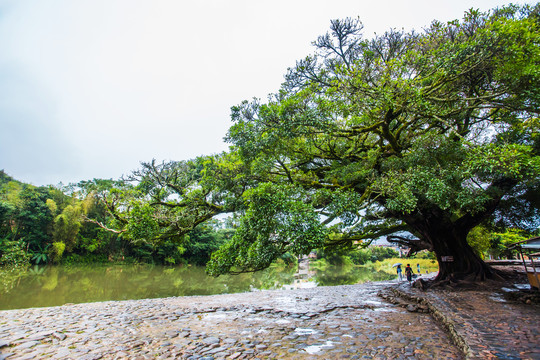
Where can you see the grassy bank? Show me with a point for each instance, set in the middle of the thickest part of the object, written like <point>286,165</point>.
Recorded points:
<point>386,265</point>
<point>426,265</point>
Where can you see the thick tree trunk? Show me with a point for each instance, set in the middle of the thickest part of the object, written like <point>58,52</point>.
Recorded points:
<point>457,260</point>
<point>448,235</point>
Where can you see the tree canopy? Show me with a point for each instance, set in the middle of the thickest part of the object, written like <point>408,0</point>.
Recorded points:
<point>421,136</point>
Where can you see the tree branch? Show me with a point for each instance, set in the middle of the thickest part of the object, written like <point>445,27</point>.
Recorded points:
<point>101,225</point>
<point>414,245</point>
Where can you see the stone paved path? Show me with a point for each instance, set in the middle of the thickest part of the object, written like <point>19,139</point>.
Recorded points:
<point>483,323</point>
<point>320,323</point>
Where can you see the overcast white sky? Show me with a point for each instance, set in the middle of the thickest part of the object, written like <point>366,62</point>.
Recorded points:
<point>90,88</point>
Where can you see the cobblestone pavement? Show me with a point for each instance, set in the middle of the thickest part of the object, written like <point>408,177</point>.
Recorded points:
<point>320,323</point>
<point>482,322</point>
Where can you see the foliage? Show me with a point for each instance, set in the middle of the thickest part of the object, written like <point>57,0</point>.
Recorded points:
<point>34,217</point>
<point>495,244</point>
<point>7,215</point>
<point>67,226</point>
<point>143,226</point>
<point>171,253</point>
<point>323,264</point>
<point>372,254</point>
<point>276,221</point>
<point>288,260</point>
<point>203,241</point>
<point>356,256</point>
<point>40,256</point>
<point>479,239</point>
<point>13,254</point>
<point>82,219</point>
<point>425,255</point>
<point>421,136</point>
<point>56,251</point>
<point>499,242</point>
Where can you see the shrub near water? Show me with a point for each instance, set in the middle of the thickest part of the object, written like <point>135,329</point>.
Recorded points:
<point>12,253</point>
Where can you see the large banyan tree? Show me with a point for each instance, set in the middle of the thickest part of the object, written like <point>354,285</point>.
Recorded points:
<point>418,137</point>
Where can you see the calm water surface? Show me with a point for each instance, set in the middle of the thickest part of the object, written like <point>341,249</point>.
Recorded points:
<point>57,285</point>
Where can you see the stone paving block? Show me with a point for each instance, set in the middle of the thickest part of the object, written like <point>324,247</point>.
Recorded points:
<point>348,321</point>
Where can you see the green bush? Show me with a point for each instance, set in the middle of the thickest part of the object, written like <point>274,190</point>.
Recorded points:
<point>12,253</point>
<point>57,250</point>
<point>40,256</point>
<point>289,259</point>
<point>372,254</point>
<point>357,256</point>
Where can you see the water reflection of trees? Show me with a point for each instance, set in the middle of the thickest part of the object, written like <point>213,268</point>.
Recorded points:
<point>56,285</point>
<point>348,275</point>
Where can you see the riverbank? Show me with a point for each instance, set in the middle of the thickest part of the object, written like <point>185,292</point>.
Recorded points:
<point>324,322</point>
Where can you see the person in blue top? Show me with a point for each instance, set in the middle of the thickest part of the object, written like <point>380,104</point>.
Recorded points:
<point>398,270</point>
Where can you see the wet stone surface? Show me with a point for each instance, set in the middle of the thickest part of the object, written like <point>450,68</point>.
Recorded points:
<point>484,324</point>
<point>342,322</point>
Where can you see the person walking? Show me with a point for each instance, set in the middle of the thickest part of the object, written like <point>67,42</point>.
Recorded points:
<point>409,272</point>
<point>398,270</point>
<point>418,268</point>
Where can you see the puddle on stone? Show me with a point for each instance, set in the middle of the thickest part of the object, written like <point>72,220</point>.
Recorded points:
<point>374,302</point>
<point>497,297</point>
<point>386,309</point>
<point>314,349</point>
<point>256,319</point>
<point>305,331</point>
<point>215,316</point>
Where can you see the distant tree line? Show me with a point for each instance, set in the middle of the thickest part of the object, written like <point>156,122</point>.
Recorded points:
<point>77,224</point>
<point>50,224</point>
<point>356,255</point>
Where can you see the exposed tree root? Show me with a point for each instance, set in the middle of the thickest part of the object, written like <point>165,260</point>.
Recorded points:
<point>493,278</point>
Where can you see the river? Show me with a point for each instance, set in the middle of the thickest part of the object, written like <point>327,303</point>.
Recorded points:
<point>57,285</point>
